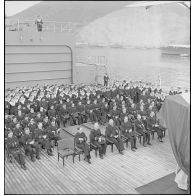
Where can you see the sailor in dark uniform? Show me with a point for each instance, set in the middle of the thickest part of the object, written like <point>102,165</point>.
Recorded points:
<point>80,141</point>
<point>32,113</point>
<point>46,122</point>
<point>96,111</point>
<point>18,132</point>
<point>41,137</point>
<point>89,111</point>
<point>129,132</point>
<point>31,148</point>
<point>81,113</point>
<point>32,125</point>
<point>39,23</point>
<point>7,107</point>
<point>140,128</point>
<point>51,112</point>
<point>123,115</point>
<point>53,132</point>
<point>152,124</point>
<point>12,145</point>
<point>106,78</point>
<point>104,113</point>
<point>98,140</point>
<point>114,113</point>
<point>64,114</point>
<point>73,115</point>
<point>8,120</point>
<point>171,92</point>
<point>43,112</point>
<point>133,110</point>
<point>112,133</point>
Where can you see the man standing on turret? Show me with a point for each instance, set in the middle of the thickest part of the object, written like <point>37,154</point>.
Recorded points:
<point>39,23</point>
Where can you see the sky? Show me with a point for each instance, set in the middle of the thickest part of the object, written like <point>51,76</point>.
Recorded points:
<point>13,7</point>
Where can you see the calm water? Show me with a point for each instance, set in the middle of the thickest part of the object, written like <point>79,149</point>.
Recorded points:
<point>143,64</point>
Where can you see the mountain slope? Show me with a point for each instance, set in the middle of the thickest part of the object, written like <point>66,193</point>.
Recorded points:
<point>71,11</point>
<point>155,27</point>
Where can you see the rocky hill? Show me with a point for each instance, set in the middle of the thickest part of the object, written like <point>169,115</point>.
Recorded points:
<point>137,27</point>
<point>80,12</point>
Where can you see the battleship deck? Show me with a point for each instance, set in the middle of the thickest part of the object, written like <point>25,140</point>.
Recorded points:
<point>114,174</point>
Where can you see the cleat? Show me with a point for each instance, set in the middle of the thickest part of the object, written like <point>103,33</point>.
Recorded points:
<point>89,161</point>
<point>50,154</point>
<point>23,167</point>
<point>38,157</point>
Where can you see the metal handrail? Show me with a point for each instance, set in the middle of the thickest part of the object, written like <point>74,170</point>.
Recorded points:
<point>18,25</point>
<point>92,60</point>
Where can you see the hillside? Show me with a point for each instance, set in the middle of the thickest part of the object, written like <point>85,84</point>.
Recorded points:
<point>158,26</point>
<point>81,12</point>
<point>137,27</point>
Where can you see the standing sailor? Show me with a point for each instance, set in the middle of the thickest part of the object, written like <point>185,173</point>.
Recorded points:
<point>106,78</point>
<point>39,23</point>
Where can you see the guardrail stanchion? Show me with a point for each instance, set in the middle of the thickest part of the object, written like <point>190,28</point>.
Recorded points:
<point>54,27</point>
<point>18,25</point>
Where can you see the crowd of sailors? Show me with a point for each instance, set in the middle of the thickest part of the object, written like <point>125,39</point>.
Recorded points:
<point>34,116</point>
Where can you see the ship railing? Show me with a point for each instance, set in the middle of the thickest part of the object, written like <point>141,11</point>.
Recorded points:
<point>92,60</point>
<point>51,26</point>
<point>165,90</point>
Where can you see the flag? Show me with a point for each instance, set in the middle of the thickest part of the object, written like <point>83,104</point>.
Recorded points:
<point>175,115</point>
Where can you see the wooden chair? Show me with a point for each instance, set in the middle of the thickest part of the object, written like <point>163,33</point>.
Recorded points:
<point>163,129</point>
<point>93,147</point>
<point>10,157</point>
<point>109,142</point>
<point>138,135</point>
<point>66,148</point>
<point>53,144</point>
<point>78,151</point>
<point>152,131</point>
<point>124,139</point>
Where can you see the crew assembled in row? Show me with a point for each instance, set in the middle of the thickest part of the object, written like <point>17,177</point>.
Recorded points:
<point>34,115</point>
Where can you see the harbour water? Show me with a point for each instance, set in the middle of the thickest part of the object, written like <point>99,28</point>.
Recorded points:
<point>143,64</point>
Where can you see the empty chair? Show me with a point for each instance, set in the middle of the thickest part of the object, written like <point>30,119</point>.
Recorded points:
<point>66,148</point>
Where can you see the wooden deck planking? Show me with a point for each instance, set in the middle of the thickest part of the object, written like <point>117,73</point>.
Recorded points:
<point>114,174</point>
<point>73,131</point>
